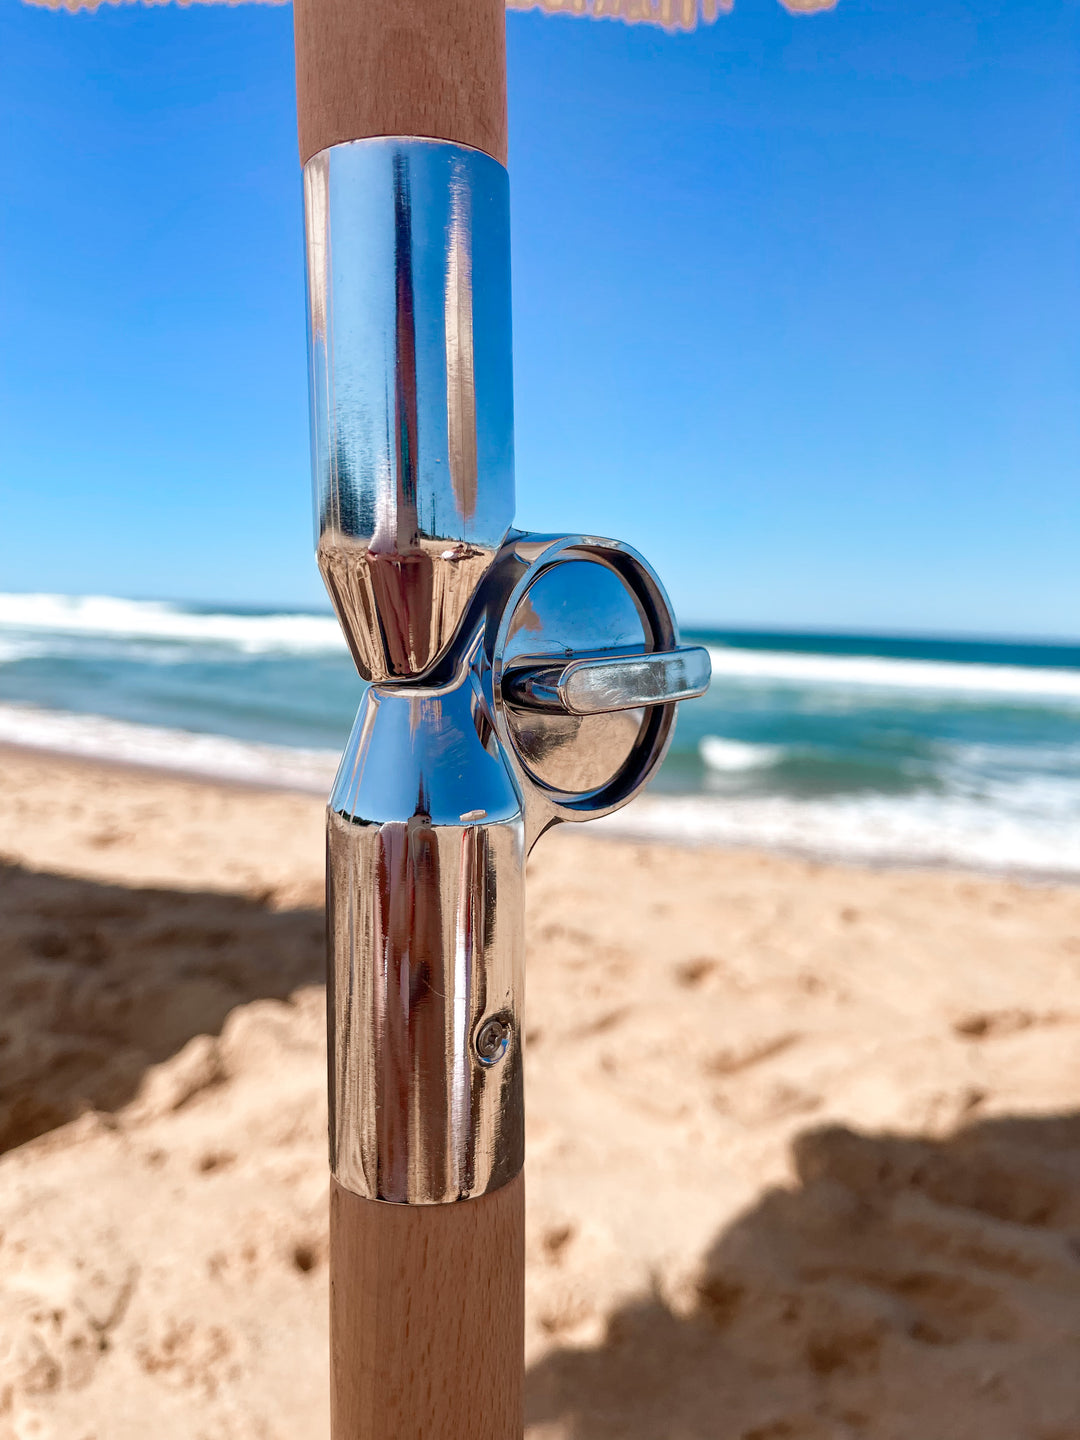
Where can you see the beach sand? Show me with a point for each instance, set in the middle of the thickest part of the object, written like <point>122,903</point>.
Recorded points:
<point>804,1141</point>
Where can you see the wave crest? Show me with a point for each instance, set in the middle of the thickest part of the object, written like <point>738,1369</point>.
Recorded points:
<point>882,673</point>
<point>94,737</point>
<point>106,616</point>
<point>733,756</point>
<point>1000,834</point>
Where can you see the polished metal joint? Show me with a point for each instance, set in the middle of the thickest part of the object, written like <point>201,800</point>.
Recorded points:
<point>516,680</point>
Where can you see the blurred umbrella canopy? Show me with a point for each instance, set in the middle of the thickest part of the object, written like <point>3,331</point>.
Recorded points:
<point>669,14</point>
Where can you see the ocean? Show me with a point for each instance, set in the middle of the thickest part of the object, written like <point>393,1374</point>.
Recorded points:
<point>880,749</point>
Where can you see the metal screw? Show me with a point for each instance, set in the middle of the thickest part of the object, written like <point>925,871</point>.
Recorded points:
<point>493,1039</point>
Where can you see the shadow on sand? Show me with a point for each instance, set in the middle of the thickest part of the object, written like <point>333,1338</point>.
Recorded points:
<point>99,981</point>
<point>902,1289</point>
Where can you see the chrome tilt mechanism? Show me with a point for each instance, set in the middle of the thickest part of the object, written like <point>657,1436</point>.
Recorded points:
<point>516,680</point>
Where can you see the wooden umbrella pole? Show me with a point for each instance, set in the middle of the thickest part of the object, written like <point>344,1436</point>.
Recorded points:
<point>426,1317</point>
<point>435,68</point>
<point>427,1301</point>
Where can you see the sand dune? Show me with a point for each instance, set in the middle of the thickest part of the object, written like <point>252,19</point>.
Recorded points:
<point>804,1142</point>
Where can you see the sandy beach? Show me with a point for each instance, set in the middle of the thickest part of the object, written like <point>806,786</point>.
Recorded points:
<point>804,1141</point>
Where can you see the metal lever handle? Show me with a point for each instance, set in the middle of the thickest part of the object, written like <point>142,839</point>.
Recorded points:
<point>593,685</point>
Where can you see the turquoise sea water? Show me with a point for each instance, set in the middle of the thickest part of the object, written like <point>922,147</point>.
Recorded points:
<point>872,747</point>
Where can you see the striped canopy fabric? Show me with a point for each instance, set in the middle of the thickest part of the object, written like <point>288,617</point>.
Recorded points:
<point>669,14</point>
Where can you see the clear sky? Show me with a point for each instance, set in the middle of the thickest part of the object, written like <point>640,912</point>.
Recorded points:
<point>797,307</point>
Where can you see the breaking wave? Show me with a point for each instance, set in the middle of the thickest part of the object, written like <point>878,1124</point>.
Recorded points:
<point>938,677</point>
<point>107,617</point>
<point>96,737</point>
<point>1027,832</point>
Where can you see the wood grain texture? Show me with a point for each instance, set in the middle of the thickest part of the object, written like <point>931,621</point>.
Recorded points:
<point>435,68</point>
<point>427,1318</point>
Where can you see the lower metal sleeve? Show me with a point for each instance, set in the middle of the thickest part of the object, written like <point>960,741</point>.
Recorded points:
<point>425,910</point>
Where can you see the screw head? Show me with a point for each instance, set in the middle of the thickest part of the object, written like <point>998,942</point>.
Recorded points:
<point>492,1039</point>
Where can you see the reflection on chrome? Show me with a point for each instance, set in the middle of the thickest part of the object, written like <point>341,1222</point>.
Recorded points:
<point>427,941</point>
<point>602,683</point>
<point>518,680</point>
<point>411,389</point>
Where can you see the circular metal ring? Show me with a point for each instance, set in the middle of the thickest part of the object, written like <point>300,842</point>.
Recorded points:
<point>658,632</point>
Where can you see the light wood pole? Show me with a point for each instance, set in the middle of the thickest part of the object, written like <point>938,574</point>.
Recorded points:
<point>426,1301</point>
<point>427,1318</point>
<point>432,68</point>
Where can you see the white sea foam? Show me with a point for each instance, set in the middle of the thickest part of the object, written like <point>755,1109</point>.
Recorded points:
<point>99,738</point>
<point>1027,824</point>
<point>53,619</point>
<point>733,756</point>
<point>940,677</point>
<point>984,757</point>
<point>12,649</point>
<point>107,616</point>
<point>999,833</point>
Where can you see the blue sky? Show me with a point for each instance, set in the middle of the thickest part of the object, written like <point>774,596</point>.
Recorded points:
<point>797,307</point>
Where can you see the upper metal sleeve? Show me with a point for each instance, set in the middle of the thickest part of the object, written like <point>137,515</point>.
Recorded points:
<point>408,267</point>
